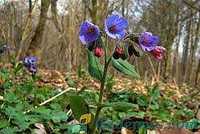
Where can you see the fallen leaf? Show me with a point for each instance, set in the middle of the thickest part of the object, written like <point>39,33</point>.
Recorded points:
<point>40,129</point>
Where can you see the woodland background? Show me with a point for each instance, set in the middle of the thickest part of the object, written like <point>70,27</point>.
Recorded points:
<point>49,29</point>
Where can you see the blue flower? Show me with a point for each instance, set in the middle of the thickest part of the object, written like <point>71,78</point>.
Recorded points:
<point>147,41</point>
<point>32,69</point>
<point>115,26</point>
<point>88,32</point>
<point>30,62</point>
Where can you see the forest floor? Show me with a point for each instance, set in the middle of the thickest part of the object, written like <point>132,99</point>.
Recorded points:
<point>182,102</point>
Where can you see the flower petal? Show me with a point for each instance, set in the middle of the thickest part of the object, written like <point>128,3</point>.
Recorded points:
<point>111,20</point>
<point>147,41</point>
<point>120,35</point>
<point>118,25</point>
<point>85,35</point>
<point>121,24</point>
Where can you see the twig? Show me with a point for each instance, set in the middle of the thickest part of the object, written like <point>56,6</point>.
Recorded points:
<point>51,99</point>
<point>54,97</point>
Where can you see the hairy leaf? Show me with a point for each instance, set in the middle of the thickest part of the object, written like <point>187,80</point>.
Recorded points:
<point>95,68</point>
<point>78,106</point>
<point>124,67</point>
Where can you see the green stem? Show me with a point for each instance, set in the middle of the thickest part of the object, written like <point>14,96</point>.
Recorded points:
<point>99,105</point>
<point>103,80</point>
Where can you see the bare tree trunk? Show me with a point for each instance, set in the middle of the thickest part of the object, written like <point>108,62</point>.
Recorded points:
<point>103,11</point>
<point>37,38</point>
<point>54,14</point>
<point>93,11</point>
<point>85,8</point>
<point>185,50</point>
<point>30,7</point>
<point>197,73</point>
<point>123,8</point>
<point>176,53</point>
<point>194,48</point>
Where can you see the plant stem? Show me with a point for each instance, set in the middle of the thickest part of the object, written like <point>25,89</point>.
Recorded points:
<point>99,105</point>
<point>103,80</point>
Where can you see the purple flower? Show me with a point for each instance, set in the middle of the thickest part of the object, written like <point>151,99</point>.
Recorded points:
<point>88,32</point>
<point>30,62</point>
<point>32,69</point>
<point>147,41</point>
<point>115,26</point>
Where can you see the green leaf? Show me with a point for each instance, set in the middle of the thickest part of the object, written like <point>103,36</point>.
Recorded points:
<point>43,112</point>
<point>8,130</point>
<point>95,68</point>
<point>11,97</point>
<point>142,130</point>
<point>90,97</point>
<point>142,101</point>
<point>105,125</point>
<point>78,106</point>
<point>4,74</point>
<point>18,67</point>
<point>139,114</point>
<point>163,115</point>
<point>110,82</point>
<point>4,123</point>
<point>192,124</point>
<point>123,106</point>
<point>76,129</point>
<point>125,67</point>
<point>59,116</point>
<point>17,117</point>
<point>154,93</point>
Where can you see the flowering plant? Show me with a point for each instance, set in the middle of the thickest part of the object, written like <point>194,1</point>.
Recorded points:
<point>30,62</point>
<point>96,42</point>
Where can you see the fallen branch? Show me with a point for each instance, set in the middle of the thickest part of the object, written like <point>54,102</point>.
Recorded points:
<point>51,99</point>
<point>54,97</point>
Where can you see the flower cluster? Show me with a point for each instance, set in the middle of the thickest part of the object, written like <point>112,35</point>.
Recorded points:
<point>150,43</point>
<point>30,62</point>
<point>115,26</point>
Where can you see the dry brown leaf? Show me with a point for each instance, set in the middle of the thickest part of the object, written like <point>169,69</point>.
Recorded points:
<point>198,114</point>
<point>1,97</point>
<point>40,129</point>
<point>151,132</point>
<point>126,131</point>
<point>174,131</point>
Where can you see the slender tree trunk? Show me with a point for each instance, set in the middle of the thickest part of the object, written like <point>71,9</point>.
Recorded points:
<point>176,53</point>
<point>85,8</point>
<point>30,7</point>
<point>185,50</point>
<point>197,73</point>
<point>54,14</point>
<point>123,8</point>
<point>37,38</point>
<point>93,11</point>
<point>194,48</point>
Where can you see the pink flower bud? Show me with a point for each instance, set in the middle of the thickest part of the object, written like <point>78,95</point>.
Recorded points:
<point>98,52</point>
<point>158,52</point>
